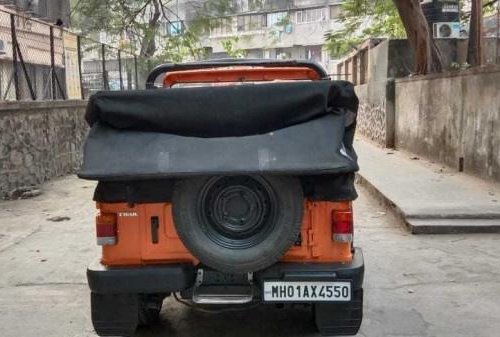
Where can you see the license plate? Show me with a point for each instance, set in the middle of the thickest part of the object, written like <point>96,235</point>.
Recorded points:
<point>295,291</point>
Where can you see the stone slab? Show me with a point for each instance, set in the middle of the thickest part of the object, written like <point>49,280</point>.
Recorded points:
<point>430,198</point>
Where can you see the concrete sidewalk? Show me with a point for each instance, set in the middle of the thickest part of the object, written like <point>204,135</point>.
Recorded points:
<point>429,198</point>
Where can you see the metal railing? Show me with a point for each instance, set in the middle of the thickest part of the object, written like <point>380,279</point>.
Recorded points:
<point>39,61</point>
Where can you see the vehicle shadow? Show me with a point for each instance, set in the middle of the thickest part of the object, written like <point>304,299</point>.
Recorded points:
<point>263,321</point>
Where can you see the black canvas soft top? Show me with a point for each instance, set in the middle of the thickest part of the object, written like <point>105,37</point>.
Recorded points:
<point>305,129</point>
<point>227,111</point>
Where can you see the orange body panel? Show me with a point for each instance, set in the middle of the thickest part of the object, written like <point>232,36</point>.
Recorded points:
<point>239,74</point>
<point>135,246</point>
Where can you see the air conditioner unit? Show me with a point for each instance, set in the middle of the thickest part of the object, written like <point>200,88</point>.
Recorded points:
<point>446,30</point>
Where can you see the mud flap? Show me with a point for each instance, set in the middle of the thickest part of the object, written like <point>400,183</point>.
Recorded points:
<point>340,319</point>
<point>115,314</point>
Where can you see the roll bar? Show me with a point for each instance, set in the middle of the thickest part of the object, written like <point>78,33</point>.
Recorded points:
<point>219,63</point>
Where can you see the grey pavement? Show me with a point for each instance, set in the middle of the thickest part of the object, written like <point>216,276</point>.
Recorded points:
<point>444,285</point>
<point>429,197</point>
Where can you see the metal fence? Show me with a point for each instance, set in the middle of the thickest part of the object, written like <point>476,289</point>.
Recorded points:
<point>106,68</point>
<point>39,61</point>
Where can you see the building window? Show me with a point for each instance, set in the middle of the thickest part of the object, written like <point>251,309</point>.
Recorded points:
<point>222,26</point>
<point>254,5</point>
<point>313,53</point>
<point>283,54</point>
<point>248,23</point>
<point>255,53</point>
<point>310,15</point>
<point>174,28</point>
<point>248,5</point>
<point>275,19</point>
<point>335,11</point>
<point>240,5</point>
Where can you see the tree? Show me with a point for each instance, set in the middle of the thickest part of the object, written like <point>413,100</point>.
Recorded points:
<point>137,24</point>
<point>478,10</point>
<point>231,49</point>
<point>391,19</point>
<point>426,54</point>
<point>475,49</point>
<point>363,19</point>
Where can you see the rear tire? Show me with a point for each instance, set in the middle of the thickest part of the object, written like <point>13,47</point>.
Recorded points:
<point>238,224</point>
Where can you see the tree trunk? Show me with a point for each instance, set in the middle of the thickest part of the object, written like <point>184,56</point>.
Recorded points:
<point>427,55</point>
<point>148,45</point>
<point>475,51</point>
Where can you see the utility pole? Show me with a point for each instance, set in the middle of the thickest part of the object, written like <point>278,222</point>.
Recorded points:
<point>475,53</point>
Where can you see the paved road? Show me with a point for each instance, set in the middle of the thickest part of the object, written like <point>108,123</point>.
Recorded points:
<point>439,286</point>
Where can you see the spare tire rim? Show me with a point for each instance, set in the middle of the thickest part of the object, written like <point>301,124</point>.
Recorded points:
<point>237,212</point>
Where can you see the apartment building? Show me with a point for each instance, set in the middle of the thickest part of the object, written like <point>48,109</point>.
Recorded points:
<point>33,73</point>
<point>276,29</point>
<point>51,11</point>
<point>279,29</point>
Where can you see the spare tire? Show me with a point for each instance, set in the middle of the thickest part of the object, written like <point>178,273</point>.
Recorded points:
<point>238,224</point>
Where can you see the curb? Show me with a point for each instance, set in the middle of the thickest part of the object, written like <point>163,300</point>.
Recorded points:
<point>431,224</point>
<point>393,208</point>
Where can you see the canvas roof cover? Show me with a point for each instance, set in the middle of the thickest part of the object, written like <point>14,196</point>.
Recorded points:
<point>297,128</point>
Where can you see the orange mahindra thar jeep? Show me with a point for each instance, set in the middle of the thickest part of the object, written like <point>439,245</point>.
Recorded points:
<point>226,182</point>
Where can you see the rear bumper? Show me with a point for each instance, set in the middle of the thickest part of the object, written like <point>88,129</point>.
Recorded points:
<point>143,279</point>
<point>353,272</point>
<point>178,277</point>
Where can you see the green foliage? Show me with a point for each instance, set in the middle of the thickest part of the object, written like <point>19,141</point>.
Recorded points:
<point>364,19</point>
<point>139,25</point>
<point>490,7</point>
<point>181,47</point>
<point>230,47</point>
<point>278,28</point>
<point>284,21</point>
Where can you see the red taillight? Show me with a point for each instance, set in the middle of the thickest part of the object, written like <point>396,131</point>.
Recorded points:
<point>342,226</point>
<point>106,229</point>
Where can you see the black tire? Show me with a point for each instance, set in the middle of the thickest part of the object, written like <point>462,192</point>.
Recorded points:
<point>149,308</point>
<point>238,224</point>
